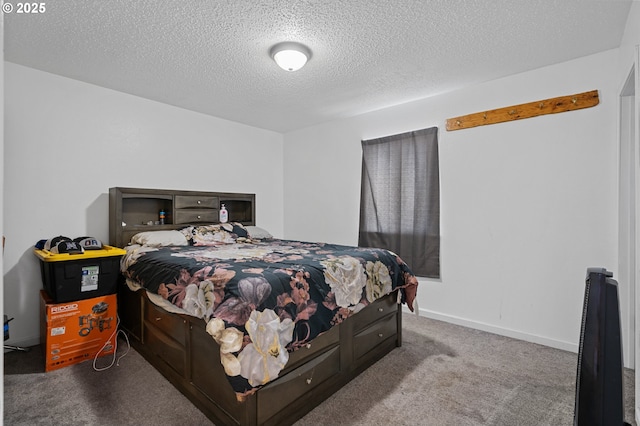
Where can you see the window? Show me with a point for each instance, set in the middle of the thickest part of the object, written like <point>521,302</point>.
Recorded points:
<point>400,198</point>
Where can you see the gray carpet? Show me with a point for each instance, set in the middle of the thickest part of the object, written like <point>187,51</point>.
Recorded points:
<point>442,375</point>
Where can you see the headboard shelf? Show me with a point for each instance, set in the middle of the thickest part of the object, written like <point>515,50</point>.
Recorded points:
<point>133,210</point>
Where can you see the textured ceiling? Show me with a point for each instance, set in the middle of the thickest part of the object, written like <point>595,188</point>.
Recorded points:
<point>213,56</point>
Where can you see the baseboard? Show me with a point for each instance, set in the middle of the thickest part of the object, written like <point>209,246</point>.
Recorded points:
<point>557,344</point>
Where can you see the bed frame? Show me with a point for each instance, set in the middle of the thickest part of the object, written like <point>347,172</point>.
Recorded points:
<point>179,347</point>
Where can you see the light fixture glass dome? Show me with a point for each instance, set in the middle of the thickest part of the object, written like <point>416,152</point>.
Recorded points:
<point>290,56</point>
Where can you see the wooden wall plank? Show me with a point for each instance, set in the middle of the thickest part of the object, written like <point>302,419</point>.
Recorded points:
<point>530,109</point>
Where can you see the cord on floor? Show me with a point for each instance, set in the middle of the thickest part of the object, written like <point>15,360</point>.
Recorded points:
<point>113,336</point>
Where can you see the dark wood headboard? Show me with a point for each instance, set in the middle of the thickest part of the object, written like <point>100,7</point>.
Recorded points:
<point>133,210</point>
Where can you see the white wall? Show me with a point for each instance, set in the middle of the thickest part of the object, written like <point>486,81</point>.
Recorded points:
<point>629,60</point>
<point>1,197</point>
<point>67,143</point>
<point>526,206</point>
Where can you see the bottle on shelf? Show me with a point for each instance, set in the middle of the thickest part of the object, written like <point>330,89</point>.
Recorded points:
<point>224,214</point>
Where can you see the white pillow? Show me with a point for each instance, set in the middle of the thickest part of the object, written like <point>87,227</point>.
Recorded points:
<point>257,232</point>
<point>160,238</point>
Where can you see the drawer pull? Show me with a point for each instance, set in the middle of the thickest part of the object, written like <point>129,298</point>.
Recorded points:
<point>380,309</point>
<point>380,335</point>
<point>199,202</point>
<point>309,381</point>
<point>158,318</point>
<point>198,215</point>
<point>308,345</point>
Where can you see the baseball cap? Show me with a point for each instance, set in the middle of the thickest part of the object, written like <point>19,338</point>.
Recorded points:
<point>52,242</point>
<point>67,246</point>
<point>88,243</point>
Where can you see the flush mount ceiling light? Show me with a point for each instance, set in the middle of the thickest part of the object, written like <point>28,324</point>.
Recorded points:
<point>290,56</point>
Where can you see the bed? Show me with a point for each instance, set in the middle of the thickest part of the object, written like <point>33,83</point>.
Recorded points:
<point>252,329</point>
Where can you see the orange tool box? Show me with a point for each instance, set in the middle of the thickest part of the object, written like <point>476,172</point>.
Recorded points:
<point>73,332</point>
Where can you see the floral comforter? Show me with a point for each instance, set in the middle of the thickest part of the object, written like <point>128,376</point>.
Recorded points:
<point>263,299</point>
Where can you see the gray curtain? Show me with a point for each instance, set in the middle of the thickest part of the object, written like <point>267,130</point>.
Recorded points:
<point>400,198</point>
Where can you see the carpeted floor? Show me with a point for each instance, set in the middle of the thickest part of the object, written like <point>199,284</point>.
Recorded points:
<point>442,375</point>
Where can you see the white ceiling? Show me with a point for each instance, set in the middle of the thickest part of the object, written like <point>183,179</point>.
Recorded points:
<point>213,56</point>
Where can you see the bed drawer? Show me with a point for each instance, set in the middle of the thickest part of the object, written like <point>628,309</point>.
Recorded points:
<point>295,385</point>
<point>373,336</point>
<point>166,348</point>
<point>172,325</point>
<point>381,307</point>
<point>194,201</point>
<point>196,216</point>
<point>319,344</point>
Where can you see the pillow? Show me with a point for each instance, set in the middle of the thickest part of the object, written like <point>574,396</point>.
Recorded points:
<point>160,238</point>
<point>258,233</point>
<point>235,228</point>
<point>207,235</point>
